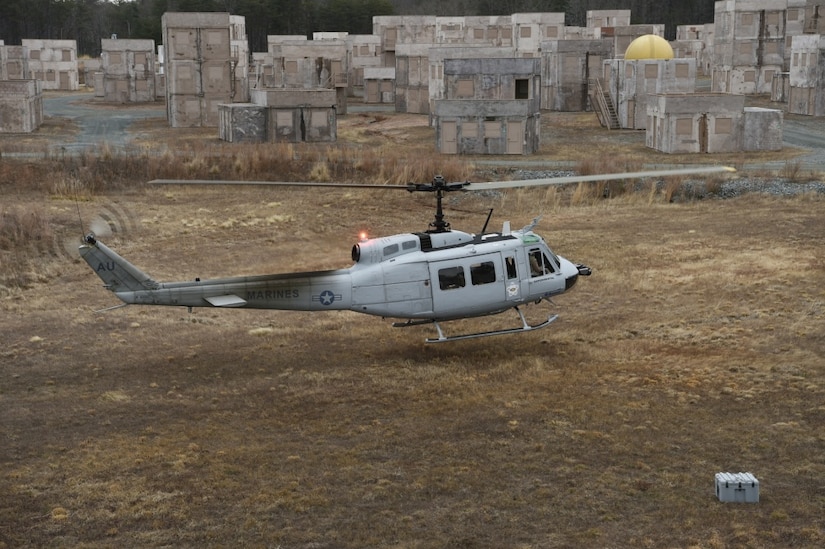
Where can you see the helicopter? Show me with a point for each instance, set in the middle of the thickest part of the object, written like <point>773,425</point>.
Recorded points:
<point>418,278</point>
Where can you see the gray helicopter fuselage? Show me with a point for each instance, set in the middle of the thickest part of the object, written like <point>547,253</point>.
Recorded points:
<point>416,276</point>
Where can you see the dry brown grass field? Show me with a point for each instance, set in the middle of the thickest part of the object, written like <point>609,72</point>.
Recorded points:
<point>697,346</point>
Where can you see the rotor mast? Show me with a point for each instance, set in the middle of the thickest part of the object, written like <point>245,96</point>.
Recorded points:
<point>439,186</point>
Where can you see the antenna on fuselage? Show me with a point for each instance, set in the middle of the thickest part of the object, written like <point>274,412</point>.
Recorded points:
<point>487,222</point>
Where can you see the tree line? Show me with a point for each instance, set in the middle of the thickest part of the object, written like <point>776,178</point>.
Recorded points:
<point>87,21</point>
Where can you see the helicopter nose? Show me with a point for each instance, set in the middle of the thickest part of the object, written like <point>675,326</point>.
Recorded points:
<point>571,273</point>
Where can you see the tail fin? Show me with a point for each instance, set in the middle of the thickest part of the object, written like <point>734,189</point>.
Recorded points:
<point>118,274</point>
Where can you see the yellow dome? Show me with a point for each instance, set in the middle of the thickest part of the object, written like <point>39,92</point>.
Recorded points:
<point>649,46</point>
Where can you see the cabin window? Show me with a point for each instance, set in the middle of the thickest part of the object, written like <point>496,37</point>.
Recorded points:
<point>539,264</point>
<point>510,262</point>
<point>409,245</point>
<point>451,278</point>
<point>391,249</point>
<point>483,273</point>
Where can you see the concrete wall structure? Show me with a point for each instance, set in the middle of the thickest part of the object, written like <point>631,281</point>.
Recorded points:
<point>379,85</point>
<point>128,70</point>
<point>631,82</point>
<point>530,29</point>
<point>695,123</point>
<point>567,67</point>
<point>206,65</point>
<point>14,62</point>
<point>242,123</point>
<point>21,106</point>
<point>762,129</point>
<point>412,78</point>
<point>481,30</point>
<point>814,18</point>
<point>607,18</point>
<point>486,127</point>
<point>749,45</point>
<point>363,51</point>
<point>396,30</point>
<point>806,93</point>
<point>53,62</point>
<point>491,106</point>
<point>297,115</point>
<point>308,64</point>
<point>438,54</point>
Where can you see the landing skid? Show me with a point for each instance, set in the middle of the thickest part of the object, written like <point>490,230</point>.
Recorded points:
<point>525,327</point>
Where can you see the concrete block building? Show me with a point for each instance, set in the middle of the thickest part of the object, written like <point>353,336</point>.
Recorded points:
<point>607,18</point>
<point>762,129</point>
<point>531,29</point>
<point>242,122</point>
<point>412,78</point>
<point>749,45</point>
<point>206,64</point>
<point>695,123</point>
<point>491,106</point>
<point>567,67</point>
<point>21,106</point>
<point>308,64</point>
<point>438,54</point>
<point>128,68</point>
<point>631,81</point>
<point>14,62</point>
<point>299,115</point>
<point>481,30</point>
<point>53,62</point>
<point>364,51</point>
<point>379,85</point>
<point>806,93</point>
<point>396,30</point>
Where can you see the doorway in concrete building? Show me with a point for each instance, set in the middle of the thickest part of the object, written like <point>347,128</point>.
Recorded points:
<point>515,137</point>
<point>449,143</point>
<point>703,133</point>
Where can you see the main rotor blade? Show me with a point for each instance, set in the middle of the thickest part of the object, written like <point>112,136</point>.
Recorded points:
<point>597,177</point>
<point>273,183</point>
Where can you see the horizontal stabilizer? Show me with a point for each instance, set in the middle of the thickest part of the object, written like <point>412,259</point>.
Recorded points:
<point>226,301</point>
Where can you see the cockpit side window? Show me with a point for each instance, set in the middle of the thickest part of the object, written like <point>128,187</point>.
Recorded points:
<point>510,262</point>
<point>540,265</point>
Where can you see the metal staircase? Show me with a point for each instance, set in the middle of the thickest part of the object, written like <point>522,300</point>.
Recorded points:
<point>603,105</point>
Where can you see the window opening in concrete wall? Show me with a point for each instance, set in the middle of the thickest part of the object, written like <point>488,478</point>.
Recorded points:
<point>522,88</point>
<point>465,88</point>
<point>722,126</point>
<point>750,76</point>
<point>651,71</point>
<point>525,32</point>
<point>684,126</point>
<point>682,70</point>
